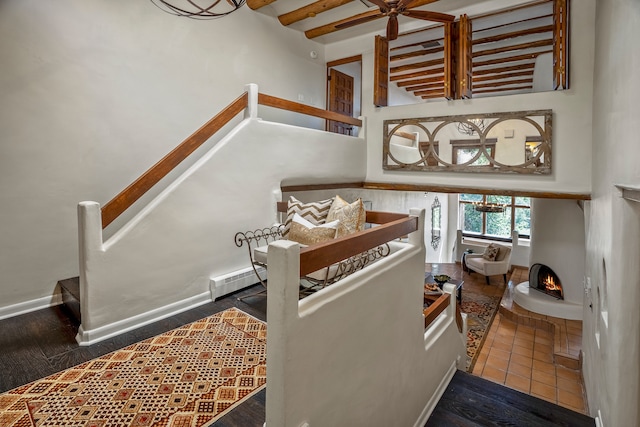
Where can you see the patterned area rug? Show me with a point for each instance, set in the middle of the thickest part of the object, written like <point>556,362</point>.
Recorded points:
<point>480,309</point>
<point>183,378</point>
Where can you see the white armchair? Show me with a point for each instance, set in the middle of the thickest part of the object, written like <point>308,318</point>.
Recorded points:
<point>501,265</point>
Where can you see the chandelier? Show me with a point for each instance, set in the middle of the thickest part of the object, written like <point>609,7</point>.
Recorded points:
<point>199,9</point>
<point>467,127</point>
<point>489,207</point>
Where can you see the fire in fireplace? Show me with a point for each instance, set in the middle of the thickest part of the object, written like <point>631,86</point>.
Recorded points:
<point>542,278</point>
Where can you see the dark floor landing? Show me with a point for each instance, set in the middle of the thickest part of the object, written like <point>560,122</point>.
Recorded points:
<point>471,401</point>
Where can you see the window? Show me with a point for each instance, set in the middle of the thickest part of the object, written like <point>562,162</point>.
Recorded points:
<point>463,150</point>
<point>498,225</point>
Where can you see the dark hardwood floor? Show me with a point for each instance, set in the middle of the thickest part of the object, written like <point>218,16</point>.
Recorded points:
<point>471,401</point>
<point>41,343</point>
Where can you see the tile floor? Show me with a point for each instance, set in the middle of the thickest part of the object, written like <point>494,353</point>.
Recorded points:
<point>521,356</point>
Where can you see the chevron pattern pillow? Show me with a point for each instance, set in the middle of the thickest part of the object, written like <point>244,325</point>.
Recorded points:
<point>314,212</point>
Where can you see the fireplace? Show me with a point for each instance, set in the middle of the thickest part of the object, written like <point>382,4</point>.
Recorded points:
<point>543,279</point>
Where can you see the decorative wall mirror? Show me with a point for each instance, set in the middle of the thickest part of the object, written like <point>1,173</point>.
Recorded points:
<point>435,223</point>
<point>513,142</point>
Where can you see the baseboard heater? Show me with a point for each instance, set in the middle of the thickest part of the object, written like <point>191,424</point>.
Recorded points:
<point>234,281</point>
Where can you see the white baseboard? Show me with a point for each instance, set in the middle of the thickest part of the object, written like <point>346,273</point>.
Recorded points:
<point>29,306</point>
<point>92,336</point>
<point>435,398</point>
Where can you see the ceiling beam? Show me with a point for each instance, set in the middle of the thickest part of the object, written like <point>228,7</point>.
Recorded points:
<point>501,76</point>
<point>426,80</point>
<point>521,46</point>
<point>514,34</point>
<point>503,89</point>
<point>503,83</point>
<point>511,9</point>
<point>340,25</point>
<point>310,11</point>
<point>331,27</point>
<point>416,74</point>
<point>494,70</point>
<point>257,4</point>
<point>415,53</point>
<point>522,57</point>
<point>416,65</point>
<point>430,86</point>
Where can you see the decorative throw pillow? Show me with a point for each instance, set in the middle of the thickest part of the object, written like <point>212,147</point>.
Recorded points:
<point>306,233</point>
<point>490,252</point>
<point>352,216</point>
<point>314,212</point>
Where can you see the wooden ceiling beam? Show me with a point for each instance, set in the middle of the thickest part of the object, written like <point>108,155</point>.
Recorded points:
<point>415,53</point>
<point>332,26</point>
<point>435,79</point>
<point>404,46</point>
<point>520,67</point>
<point>437,85</point>
<point>429,92</point>
<point>310,11</point>
<point>416,74</point>
<point>503,89</point>
<point>502,83</point>
<point>511,9</point>
<point>340,25</point>
<point>520,46</point>
<point>514,34</point>
<point>514,58</point>
<point>416,65</point>
<point>501,76</point>
<point>257,4</point>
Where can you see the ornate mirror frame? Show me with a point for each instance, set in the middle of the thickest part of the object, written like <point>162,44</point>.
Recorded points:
<point>429,144</point>
<point>436,223</point>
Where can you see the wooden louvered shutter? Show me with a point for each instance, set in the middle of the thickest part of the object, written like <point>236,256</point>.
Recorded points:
<point>560,44</point>
<point>465,58</point>
<point>449,62</point>
<point>381,72</point>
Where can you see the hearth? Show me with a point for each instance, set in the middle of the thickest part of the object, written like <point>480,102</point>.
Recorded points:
<point>542,278</point>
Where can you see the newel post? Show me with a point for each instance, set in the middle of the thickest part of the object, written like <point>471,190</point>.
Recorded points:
<point>89,243</point>
<point>251,112</point>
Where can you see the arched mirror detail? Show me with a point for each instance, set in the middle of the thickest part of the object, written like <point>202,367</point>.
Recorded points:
<point>513,142</point>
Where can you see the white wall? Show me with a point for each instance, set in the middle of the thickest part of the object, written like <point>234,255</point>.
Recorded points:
<point>93,93</point>
<point>611,341</point>
<point>558,241</point>
<point>167,254</point>
<point>333,361</point>
<point>571,144</point>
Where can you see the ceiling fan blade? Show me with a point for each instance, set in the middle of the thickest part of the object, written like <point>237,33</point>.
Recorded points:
<point>429,16</point>
<point>392,27</point>
<point>381,4</point>
<point>358,21</point>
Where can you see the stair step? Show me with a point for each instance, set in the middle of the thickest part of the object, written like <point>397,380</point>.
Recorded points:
<point>70,289</point>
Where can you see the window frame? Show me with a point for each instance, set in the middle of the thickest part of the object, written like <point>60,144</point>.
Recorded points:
<point>512,206</point>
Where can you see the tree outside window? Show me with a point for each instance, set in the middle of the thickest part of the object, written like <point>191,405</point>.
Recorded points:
<point>516,216</point>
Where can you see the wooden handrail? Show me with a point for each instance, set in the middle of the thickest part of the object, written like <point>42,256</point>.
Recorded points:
<point>151,177</point>
<point>272,101</point>
<point>437,307</point>
<point>315,257</point>
<point>116,206</point>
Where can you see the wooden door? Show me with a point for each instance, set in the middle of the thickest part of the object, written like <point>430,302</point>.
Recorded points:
<point>340,100</point>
